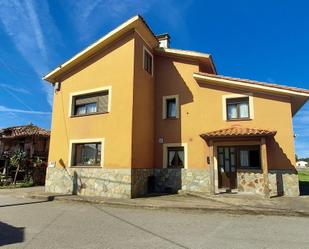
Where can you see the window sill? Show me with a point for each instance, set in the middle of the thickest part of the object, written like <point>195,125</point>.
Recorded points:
<point>171,118</point>
<point>92,167</point>
<point>239,119</point>
<point>89,114</point>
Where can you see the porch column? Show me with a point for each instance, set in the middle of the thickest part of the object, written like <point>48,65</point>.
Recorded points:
<point>211,165</point>
<point>265,168</point>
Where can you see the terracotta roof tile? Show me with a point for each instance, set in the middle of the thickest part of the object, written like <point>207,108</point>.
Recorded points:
<point>295,89</point>
<point>22,131</point>
<point>238,131</point>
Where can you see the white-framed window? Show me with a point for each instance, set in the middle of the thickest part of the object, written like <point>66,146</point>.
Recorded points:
<point>147,61</point>
<point>175,155</point>
<point>86,153</point>
<point>237,107</point>
<point>170,106</point>
<point>89,102</point>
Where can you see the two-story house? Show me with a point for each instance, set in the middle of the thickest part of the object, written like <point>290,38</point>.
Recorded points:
<point>132,115</point>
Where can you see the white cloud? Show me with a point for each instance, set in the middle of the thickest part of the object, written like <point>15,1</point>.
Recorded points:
<point>22,23</point>
<point>13,88</point>
<point>13,110</point>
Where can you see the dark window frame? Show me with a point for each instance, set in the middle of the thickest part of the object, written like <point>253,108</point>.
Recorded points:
<point>236,153</point>
<point>237,102</point>
<point>97,158</point>
<point>148,61</point>
<point>176,149</point>
<point>167,101</point>
<point>94,94</point>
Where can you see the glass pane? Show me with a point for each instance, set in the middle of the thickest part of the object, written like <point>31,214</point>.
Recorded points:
<point>232,111</point>
<point>171,158</point>
<point>92,107</point>
<point>227,166</point>
<point>81,109</point>
<point>180,155</point>
<point>244,158</point>
<point>227,153</point>
<point>220,149</point>
<point>221,159</point>
<point>232,149</point>
<point>244,110</point>
<point>233,159</point>
<point>171,108</point>
<point>87,154</point>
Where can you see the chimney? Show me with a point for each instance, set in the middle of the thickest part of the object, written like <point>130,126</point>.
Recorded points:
<point>164,40</point>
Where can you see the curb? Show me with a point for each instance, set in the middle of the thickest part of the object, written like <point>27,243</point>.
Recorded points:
<point>200,209</point>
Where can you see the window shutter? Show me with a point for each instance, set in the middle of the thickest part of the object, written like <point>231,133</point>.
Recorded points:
<point>86,99</point>
<point>103,102</point>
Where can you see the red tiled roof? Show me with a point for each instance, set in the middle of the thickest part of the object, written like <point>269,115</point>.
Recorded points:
<point>22,131</point>
<point>238,131</point>
<point>295,89</point>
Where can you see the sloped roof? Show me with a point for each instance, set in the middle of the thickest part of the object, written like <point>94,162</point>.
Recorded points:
<point>23,131</point>
<point>238,131</point>
<point>136,22</point>
<point>286,89</point>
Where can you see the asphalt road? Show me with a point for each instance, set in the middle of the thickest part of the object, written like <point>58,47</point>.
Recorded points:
<point>27,223</point>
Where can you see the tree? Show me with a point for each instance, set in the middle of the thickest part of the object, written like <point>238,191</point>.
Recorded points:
<point>17,160</point>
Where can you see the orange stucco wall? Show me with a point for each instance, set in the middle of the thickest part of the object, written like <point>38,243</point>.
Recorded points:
<point>143,110</point>
<point>133,127</point>
<point>201,111</point>
<point>114,67</point>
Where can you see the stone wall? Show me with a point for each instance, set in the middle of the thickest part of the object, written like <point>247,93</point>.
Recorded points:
<point>89,181</point>
<point>140,182</point>
<point>171,180</point>
<point>281,182</point>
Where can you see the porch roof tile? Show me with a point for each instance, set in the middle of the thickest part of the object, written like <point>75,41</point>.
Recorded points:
<point>238,131</point>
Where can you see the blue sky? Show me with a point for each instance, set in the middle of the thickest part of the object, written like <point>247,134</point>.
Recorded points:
<point>261,40</point>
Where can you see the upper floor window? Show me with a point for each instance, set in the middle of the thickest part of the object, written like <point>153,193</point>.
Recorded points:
<point>170,107</point>
<point>237,108</point>
<point>90,103</point>
<point>148,61</point>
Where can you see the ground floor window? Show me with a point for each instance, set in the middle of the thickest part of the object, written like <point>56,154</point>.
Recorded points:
<point>175,157</point>
<point>86,154</point>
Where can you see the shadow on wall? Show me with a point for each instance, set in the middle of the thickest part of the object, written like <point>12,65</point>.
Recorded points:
<point>10,234</point>
<point>169,82</point>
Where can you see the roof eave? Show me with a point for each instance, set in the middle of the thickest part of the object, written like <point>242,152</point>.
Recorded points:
<point>99,44</point>
<point>198,76</point>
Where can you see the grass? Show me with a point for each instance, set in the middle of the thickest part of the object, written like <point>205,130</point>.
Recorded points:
<point>303,176</point>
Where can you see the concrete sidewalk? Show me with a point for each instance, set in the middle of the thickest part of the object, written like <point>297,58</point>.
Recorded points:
<point>225,203</point>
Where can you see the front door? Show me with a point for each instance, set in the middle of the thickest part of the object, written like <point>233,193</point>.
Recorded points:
<point>227,173</point>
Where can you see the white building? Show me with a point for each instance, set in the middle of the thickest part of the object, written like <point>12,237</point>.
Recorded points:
<point>301,164</point>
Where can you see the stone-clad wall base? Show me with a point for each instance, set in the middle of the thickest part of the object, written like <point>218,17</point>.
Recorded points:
<point>169,180</point>
<point>89,181</point>
<point>140,182</point>
<point>280,182</point>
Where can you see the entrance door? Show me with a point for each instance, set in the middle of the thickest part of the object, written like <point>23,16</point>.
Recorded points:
<point>227,167</point>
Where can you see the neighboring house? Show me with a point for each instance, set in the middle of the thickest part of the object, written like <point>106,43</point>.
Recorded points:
<point>132,115</point>
<point>301,164</point>
<point>31,139</point>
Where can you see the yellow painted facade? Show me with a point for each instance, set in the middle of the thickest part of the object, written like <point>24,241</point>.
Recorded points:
<point>134,126</point>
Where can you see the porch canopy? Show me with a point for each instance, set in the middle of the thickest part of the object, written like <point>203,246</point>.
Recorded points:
<point>236,135</point>
<point>238,132</point>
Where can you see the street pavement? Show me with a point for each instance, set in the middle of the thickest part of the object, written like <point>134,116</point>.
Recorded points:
<point>29,223</point>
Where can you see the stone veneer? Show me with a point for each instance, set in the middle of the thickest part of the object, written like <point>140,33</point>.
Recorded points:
<point>89,181</point>
<point>281,182</point>
<point>130,183</point>
<point>124,183</point>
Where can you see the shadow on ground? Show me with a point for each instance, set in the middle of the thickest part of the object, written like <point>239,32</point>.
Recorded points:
<point>304,188</point>
<point>10,234</point>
